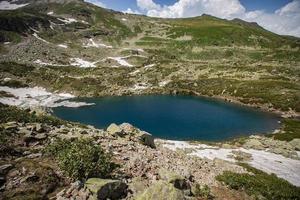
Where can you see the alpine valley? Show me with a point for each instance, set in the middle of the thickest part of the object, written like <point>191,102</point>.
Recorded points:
<point>59,55</point>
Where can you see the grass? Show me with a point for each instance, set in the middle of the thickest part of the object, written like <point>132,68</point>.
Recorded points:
<point>291,128</point>
<point>11,113</point>
<point>260,184</point>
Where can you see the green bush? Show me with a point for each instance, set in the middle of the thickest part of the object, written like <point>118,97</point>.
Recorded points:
<point>260,184</point>
<point>12,113</point>
<point>202,191</point>
<point>81,159</point>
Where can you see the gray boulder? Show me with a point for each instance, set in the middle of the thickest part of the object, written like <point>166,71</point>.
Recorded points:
<point>102,189</point>
<point>161,190</point>
<point>115,130</point>
<point>146,139</point>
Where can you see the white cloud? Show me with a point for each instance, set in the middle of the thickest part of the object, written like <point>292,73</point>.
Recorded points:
<point>147,5</point>
<point>130,11</point>
<point>97,3</point>
<point>285,20</point>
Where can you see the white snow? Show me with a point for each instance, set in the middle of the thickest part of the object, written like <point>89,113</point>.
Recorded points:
<point>149,66</point>
<point>121,61</point>
<point>92,43</point>
<point>283,167</point>
<point>50,13</point>
<point>135,72</point>
<point>38,96</point>
<point>67,20</point>
<point>37,37</point>
<point>124,19</point>
<point>5,5</point>
<point>164,83</point>
<point>63,46</point>
<point>82,63</point>
<point>140,86</point>
<point>6,43</point>
<point>6,79</point>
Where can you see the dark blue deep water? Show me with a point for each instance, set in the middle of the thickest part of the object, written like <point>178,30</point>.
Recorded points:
<point>174,117</point>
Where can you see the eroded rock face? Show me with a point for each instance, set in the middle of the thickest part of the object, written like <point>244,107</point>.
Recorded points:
<point>106,188</point>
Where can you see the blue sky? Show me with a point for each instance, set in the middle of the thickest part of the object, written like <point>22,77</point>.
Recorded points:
<point>250,5</point>
<point>279,16</point>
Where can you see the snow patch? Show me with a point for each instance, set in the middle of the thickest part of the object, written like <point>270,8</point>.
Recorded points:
<point>50,13</point>
<point>92,43</point>
<point>78,62</point>
<point>124,19</point>
<point>140,86</point>
<point>164,83</point>
<point>283,167</point>
<point>135,72</point>
<point>121,61</point>
<point>63,46</point>
<point>5,5</point>
<point>38,96</point>
<point>149,66</point>
<point>67,20</point>
<point>41,39</point>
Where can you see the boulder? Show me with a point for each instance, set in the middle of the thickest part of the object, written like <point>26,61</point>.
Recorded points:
<point>296,144</point>
<point>178,181</point>
<point>137,185</point>
<point>115,130</point>
<point>146,139</point>
<point>24,131</point>
<point>39,128</point>
<point>5,168</point>
<point>106,188</point>
<point>127,128</point>
<point>161,190</point>
<point>254,144</point>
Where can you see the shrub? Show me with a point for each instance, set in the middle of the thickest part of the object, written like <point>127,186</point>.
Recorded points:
<point>260,184</point>
<point>81,159</point>
<point>11,113</point>
<point>202,191</point>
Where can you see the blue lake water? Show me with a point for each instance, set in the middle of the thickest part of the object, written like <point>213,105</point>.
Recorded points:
<point>174,117</point>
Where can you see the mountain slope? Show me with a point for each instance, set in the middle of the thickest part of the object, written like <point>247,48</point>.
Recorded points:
<point>86,49</point>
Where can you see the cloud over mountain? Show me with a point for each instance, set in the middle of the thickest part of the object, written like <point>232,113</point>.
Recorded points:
<point>285,20</point>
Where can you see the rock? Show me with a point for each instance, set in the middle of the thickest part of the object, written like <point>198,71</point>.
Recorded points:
<point>296,144</point>
<point>146,139</point>
<point>178,181</point>
<point>115,130</point>
<point>24,131</point>
<point>10,126</point>
<point>227,146</point>
<point>34,155</point>
<point>39,128</point>
<point>2,180</point>
<point>137,185</point>
<point>106,188</point>
<point>254,144</point>
<point>5,168</point>
<point>161,190</point>
<point>127,128</point>
<point>40,136</point>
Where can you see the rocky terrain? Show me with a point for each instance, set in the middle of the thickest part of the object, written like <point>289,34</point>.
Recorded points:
<point>53,51</point>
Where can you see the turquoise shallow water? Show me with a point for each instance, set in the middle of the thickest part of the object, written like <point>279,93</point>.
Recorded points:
<point>174,117</point>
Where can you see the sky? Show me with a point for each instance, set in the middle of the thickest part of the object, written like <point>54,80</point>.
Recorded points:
<point>279,16</point>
